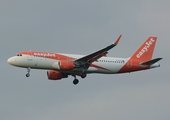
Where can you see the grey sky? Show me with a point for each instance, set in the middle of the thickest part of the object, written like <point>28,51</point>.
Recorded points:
<point>83,27</point>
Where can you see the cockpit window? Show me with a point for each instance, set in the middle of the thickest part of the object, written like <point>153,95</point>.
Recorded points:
<point>19,54</point>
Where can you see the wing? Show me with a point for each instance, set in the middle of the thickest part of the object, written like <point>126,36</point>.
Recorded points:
<point>89,59</point>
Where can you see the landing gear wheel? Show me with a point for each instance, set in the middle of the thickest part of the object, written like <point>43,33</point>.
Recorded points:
<point>75,81</point>
<point>83,75</point>
<point>27,75</point>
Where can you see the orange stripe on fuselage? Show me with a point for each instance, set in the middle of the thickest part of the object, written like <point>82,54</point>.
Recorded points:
<point>99,67</point>
<point>54,56</point>
<point>49,55</point>
<point>132,65</point>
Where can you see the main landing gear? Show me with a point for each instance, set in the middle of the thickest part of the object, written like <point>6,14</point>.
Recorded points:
<point>28,72</point>
<point>76,81</point>
<point>83,75</point>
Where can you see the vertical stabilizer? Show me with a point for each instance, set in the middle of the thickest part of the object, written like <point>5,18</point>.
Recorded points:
<point>146,50</point>
<point>141,59</point>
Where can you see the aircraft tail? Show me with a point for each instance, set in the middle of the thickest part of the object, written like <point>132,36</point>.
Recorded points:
<point>145,52</point>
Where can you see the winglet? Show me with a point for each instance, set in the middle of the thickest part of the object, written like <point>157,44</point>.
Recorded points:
<point>117,41</point>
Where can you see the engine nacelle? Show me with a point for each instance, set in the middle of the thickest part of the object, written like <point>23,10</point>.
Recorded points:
<point>63,65</point>
<point>55,75</point>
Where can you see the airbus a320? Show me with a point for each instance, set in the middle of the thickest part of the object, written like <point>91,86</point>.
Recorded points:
<point>61,65</point>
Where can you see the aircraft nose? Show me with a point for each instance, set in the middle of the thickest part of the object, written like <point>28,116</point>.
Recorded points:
<point>10,61</point>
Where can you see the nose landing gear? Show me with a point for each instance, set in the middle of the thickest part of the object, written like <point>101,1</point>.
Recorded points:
<point>28,74</point>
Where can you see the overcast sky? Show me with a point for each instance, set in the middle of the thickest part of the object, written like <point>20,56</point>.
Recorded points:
<point>82,27</point>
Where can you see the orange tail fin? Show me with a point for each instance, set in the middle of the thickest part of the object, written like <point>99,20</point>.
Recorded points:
<point>145,52</point>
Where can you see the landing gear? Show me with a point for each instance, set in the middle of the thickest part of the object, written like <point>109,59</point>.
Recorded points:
<point>83,75</point>
<point>75,81</point>
<point>28,74</point>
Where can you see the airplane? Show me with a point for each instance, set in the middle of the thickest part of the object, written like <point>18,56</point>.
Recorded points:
<point>61,65</point>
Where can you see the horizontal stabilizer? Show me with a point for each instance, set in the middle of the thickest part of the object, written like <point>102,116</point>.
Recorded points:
<point>151,62</point>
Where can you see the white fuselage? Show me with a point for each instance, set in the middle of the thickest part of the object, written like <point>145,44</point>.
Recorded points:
<point>105,65</point>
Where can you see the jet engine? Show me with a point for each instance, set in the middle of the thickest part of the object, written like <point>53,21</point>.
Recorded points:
<point>55,75</point>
